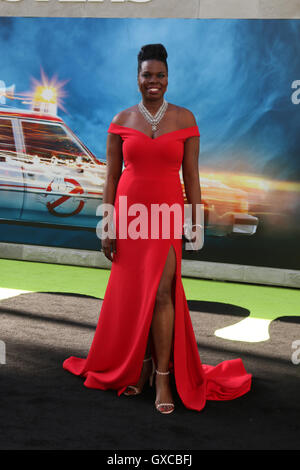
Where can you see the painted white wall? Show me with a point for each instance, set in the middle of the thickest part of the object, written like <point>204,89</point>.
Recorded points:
<point>152,8</point>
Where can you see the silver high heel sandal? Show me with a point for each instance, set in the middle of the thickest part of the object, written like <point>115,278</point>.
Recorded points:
<point>134,389</point>
<point>158,405</point>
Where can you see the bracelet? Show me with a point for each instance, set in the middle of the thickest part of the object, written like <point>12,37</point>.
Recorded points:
<point>197,225</point>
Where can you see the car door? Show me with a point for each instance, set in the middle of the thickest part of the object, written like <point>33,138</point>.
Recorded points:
<point>11,173</point>
<point>60,189</point>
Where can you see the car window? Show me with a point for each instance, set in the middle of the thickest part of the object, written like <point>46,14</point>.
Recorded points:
<point>7,142</point>
<point>51,140</point>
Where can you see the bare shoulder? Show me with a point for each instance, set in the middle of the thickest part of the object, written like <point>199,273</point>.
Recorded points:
<point>122,117</point>
<point>186,117</point>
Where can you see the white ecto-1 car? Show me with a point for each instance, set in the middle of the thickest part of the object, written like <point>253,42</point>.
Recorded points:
<point>48,175</point>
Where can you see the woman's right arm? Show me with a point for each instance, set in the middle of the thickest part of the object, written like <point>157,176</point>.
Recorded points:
<point>114,162</point>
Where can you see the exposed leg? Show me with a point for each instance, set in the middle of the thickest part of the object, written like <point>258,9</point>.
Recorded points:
<point>145,373</point>
<point>162,328</point>
<point>161,334</point>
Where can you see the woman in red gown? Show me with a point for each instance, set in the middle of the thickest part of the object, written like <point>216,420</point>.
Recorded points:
<point>144,327</point>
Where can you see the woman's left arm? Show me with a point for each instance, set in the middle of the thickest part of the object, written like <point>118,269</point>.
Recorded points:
<point>190,168</point>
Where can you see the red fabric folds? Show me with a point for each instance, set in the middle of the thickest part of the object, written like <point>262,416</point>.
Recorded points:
<point>115,358</point>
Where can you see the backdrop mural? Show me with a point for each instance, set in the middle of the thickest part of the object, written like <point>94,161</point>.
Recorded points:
<point>63,79</point>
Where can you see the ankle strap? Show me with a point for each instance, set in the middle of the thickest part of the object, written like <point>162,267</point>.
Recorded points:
<point>147,359</point>
<point>162,373</point>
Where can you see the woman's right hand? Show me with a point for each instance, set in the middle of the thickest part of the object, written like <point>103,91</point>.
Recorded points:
<point>109,246</point>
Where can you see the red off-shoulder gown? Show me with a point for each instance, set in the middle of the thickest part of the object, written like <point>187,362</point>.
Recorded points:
<point>115,358</point>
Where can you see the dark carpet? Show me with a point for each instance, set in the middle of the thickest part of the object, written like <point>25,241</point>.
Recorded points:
<point>45,407</point>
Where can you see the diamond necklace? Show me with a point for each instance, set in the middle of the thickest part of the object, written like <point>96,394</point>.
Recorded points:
<point>153,120</point>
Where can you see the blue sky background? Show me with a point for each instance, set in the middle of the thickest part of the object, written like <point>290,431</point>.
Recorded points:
<point>234,75</point>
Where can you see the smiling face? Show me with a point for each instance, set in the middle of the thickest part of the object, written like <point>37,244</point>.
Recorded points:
<point>153,79</point>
